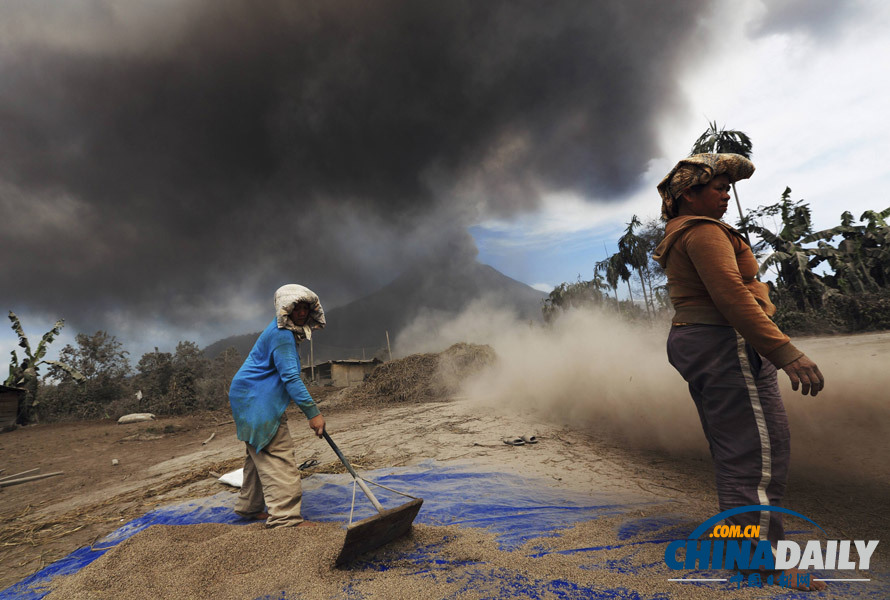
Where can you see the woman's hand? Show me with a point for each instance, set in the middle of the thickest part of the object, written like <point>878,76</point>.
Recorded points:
<point>316,424</point>
<point>803,371</point>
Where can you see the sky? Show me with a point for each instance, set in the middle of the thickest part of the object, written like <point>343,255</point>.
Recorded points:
<point>165,166</point>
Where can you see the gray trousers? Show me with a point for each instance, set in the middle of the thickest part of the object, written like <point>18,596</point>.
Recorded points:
<point>737,396</point>
<point>272,478</point>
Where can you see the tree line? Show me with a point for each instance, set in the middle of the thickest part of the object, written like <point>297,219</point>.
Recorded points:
<point>834,280</point>
<point>93,378</point>
<point>631,267</point>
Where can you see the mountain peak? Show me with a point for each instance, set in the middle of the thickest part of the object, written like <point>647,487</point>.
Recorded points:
<point>446,286</point>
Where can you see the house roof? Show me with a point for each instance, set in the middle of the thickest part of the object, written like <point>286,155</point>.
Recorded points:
<point>347,361</point>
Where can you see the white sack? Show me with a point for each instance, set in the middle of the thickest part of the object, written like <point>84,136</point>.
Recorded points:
<point>135,418</point>
<point>233,478</point>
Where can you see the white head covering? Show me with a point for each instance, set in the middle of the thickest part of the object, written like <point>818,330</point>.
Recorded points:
<point>286,299</point>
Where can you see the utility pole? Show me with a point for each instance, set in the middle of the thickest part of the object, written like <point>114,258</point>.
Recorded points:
<point>311,360</point>
<point>388,349</point>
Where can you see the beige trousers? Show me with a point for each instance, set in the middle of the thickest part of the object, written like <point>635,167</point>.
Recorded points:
<point>272,479</point>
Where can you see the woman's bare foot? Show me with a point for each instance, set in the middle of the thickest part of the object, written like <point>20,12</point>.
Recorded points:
<point>792,581</point>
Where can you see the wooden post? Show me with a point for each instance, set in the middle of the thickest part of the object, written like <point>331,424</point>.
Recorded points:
<point>388,349</point>
<point>311,360</point>
<point>741,216</point>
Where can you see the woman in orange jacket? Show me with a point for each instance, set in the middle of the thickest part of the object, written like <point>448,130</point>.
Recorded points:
<point>723,342</point>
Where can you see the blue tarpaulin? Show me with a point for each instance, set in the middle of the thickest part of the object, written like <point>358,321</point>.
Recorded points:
<point>516,509</point>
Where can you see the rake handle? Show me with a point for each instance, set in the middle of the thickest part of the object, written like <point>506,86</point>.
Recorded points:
<point>361,483</point>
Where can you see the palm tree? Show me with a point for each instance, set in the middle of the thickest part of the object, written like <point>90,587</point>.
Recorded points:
<point>633,251</point>
<point>722,140</point>
<point>614,270</point>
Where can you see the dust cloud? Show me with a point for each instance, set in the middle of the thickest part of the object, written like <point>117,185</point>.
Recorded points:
<point>844,432</point>
<point>595,372</point>
<point>588,367</point>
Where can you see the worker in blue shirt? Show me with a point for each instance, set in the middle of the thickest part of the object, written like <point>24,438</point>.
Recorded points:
<point>260,392</point>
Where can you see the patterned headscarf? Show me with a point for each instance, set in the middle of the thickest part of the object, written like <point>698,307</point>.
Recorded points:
<point>696,170</point>
<point>286,299</point>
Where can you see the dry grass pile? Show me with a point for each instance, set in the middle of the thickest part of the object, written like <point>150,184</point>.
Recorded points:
<point>421,377</point>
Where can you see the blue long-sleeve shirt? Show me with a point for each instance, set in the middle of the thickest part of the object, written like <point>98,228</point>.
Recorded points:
<point>265,384</point>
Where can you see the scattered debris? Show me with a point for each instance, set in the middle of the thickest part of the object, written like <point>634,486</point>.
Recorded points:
<point>142,436</point>
<point>212,435</point>
<point>9,482</point>
<point>115,462</point>
<point>22,474</point>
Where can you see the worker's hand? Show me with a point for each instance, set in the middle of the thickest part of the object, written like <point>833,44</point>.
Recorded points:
<point>316,423</point>
<point>803,371</point>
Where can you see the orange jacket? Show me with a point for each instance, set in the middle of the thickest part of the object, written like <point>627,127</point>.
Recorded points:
<point>712,280</point>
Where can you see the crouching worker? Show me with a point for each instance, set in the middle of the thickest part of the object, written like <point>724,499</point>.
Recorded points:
<point>259,395</point>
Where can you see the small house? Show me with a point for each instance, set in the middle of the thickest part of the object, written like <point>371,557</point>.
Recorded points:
<point>341,373</point>
<point>10,398</point>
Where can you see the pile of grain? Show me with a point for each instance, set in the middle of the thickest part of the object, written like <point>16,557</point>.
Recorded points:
<point>173,562</point>
<point>420,377</point>
<point>236,562</point>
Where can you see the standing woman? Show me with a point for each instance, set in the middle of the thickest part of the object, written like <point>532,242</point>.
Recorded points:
<point>260,392</point>
<point>723,342</point>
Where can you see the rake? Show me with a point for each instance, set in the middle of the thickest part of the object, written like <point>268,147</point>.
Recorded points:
<point>382,528</point>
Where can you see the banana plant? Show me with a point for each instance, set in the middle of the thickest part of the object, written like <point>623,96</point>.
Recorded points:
<point>861,260</point>
<point>793,262</point>
<point>26,373</point>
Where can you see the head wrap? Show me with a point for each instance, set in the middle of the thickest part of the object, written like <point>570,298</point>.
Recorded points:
<point>286,299</point>
<point>696,170</point>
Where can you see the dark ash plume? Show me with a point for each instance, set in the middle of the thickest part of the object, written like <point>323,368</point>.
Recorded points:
<point>174,164</point>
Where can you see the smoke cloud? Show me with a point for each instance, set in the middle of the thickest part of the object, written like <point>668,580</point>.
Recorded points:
<point>168,165</point>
